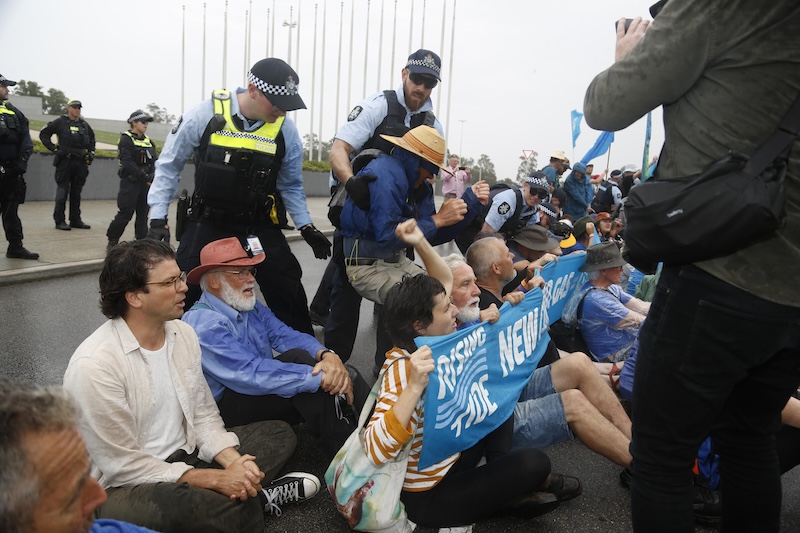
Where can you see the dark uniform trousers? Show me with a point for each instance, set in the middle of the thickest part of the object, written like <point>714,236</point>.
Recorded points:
<point>278,276</point>
<point>9,204</point>
<point>71,176</point>
<point>132,198</point>
<point>181,508</point>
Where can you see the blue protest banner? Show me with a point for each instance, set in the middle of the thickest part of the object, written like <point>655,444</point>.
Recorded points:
<point>480,373</point>
<point>481,370</point>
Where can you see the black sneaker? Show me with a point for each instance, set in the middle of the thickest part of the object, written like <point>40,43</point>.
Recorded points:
<point>707,505</point>
<point>625,478</point>
<point>318,319</point>
<point>533,505</point>
<point>293,487</point>
<point>562,487</point>
<point>20,252</point>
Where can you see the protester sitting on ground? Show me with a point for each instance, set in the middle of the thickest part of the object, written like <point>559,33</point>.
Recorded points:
<point>608,228</point>
<point>44,463</point>
<point>157,443</point>
<point>583,230</point>
<point>610,318</point>
<point>562,400</point>
<point>304,382</point>
<point>454,491</point>
<point>559,199</point>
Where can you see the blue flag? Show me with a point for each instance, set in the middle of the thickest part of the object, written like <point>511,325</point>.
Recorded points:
<point>576,125</point>
<point>646,155</point>
<point>601,146</point>
<point>481,370</point>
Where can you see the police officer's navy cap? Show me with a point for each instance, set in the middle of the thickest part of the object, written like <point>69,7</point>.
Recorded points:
<point>139,116</point>
<point>548,209</point>
<point>74,103</point>
<point>425,62</point>
<point>538,180</point>
<point>6,82</point>
<point>278,81</point>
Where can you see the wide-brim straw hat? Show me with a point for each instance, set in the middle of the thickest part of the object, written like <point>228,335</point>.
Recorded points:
<point>422,141</point>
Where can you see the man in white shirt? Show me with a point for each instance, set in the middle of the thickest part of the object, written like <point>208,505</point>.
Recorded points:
<point>153,431</point>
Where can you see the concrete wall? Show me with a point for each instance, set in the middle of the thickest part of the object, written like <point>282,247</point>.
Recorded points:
<point>31,106</point>
<point>103,182</point>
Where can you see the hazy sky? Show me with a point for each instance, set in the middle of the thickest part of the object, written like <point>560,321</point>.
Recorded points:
<point>518,67</point>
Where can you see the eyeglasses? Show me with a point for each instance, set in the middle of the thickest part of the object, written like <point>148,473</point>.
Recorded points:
<point>419,79</point>
<point>176,282</point>
<point>542,193</point>
<point>241,274</point>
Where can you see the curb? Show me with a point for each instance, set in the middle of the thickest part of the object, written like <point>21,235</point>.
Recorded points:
<point>54,270</point>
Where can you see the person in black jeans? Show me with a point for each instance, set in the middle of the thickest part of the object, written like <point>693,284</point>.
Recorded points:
<point>74,154</point>
<point>137,159</point>
<point>15,149</point>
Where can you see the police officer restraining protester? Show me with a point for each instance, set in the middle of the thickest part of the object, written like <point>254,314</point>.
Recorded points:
<point>15,149</point>
<point>74,154</point>
<point>391,112</point>
<point>248,158</point>
<point>137,160</point>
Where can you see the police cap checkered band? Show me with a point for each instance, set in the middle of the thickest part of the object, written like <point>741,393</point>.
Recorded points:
<point>278,82</point>
<point>548,209</point>
<point>140,116</point>
<point>425,62</point>
<point>6,82</point>
<point>74,103</point>
<point>538,180</point>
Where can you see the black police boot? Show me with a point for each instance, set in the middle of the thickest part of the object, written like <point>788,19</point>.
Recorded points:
<point>63,226</point>
<point>110,245</point>
<point>17,251</point>
<point>79,225</point>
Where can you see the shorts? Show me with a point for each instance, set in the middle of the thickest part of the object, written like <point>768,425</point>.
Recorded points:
<point>539,416</point>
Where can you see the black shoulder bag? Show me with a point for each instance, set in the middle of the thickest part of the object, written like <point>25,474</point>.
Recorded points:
<point>733,203</point>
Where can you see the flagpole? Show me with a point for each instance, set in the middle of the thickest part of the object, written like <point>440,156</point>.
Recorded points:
<point>608,160</point>
<point>380,49</point>
<point>311,142</point>
<point>322,74</point>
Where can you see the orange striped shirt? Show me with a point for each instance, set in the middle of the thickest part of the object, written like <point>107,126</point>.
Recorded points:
<point>384,436</point>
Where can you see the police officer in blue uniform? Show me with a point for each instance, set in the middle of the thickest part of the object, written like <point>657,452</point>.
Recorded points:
<point>390,112</point>
<point>15,150</point>
<point>248,158</point>
<point>137,160</point>
<point>74,154</point>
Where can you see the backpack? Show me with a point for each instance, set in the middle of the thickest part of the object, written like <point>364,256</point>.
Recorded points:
<point>568,337</point>
<point>509,228</point>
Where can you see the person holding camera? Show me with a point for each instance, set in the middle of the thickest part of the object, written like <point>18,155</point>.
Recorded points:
<point>721,340</point>
<point>137,160</point>
<point>455,178</point>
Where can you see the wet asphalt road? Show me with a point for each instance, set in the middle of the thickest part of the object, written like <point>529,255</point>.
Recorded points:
<point>43,322</point>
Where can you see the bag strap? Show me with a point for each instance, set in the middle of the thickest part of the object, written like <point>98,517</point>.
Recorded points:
<point>366,411</point>
<point>784,135</point>
<point>373,395</point>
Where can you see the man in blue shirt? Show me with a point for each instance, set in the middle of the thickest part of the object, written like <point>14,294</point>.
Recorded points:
<point>557,166</point>
<point>610,318</point>
<point>239,338</point>
<point>248,176</point>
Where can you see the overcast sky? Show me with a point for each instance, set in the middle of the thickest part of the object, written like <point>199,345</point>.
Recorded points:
<point>518,67</point>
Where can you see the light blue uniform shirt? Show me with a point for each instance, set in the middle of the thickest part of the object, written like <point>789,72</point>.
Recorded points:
<point>503,206</point>
<point>238,350</point>
<point>180,146</point>
<point>374,109</point>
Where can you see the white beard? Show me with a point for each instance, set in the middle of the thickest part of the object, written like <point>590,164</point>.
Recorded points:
<point>470,312</point>
<point>237,300</point>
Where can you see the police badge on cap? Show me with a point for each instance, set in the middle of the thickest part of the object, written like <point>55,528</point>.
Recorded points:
<point>279,83</point>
